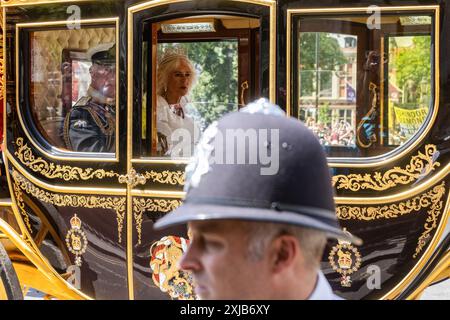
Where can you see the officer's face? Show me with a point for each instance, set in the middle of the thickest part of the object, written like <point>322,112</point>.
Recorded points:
<point>179,80</point>
<point>219,261</point>
<point>103,79</point>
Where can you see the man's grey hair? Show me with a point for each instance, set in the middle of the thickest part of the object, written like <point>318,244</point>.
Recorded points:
<point>311,241</point>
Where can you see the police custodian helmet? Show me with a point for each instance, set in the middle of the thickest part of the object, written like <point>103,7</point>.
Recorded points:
<point>300,193</point>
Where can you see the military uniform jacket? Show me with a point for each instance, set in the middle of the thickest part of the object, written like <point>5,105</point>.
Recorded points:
<point>90,127</point>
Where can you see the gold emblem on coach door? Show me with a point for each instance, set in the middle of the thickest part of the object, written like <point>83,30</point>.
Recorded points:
<point>76,239</point>
<point>345,259</point>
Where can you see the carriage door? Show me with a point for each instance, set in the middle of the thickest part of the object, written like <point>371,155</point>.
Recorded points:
<point>64,154</point>
<point>231,57</point>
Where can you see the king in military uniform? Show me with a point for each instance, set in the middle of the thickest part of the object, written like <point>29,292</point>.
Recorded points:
<point>90,124</point>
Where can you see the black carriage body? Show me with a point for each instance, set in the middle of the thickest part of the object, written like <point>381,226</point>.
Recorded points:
<point>396,198</point>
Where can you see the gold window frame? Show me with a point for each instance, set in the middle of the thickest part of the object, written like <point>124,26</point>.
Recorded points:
<point>67,155</point>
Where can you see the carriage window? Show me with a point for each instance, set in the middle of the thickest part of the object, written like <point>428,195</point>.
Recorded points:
<point>409,90</point>
<point>73,87</point>
<point>364,89</point>
<point>202,72</point>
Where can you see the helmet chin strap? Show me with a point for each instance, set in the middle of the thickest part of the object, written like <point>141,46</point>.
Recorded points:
<point>99,97</point>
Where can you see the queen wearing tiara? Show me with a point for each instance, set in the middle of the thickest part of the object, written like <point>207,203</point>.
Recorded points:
<point>177,131</point>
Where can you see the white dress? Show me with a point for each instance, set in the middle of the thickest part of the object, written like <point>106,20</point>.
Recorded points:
<point>181,133</point>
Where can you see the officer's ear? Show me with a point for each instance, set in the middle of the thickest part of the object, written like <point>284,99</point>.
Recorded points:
<point>284,251</point>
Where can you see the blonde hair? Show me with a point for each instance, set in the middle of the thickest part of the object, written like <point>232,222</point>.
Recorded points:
<point>168,64</point>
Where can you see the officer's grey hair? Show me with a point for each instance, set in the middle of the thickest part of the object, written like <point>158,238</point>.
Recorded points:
<point>169,64</point>
<point>311,241</point>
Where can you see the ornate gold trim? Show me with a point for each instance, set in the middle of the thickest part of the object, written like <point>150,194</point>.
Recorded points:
<point>64,200</point>
<point>3,295</point>
<point>76,239</point>
<point>141,205</point>
<point>440,272</point>
<point>399,287</point>
<point>391,211</point>
<point>419,165</point>
<point>2,61</point>
<point>160,160</point>
<point>270,4</point>
<point>348,261</point>
<point>65,289</point>
<point>157,193</point>
<point>414,190</point>
<point>431,199</point>
<point>52,171</point>
<point>166,177</point>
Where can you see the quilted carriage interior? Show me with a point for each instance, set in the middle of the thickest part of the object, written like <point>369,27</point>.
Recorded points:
<point>47,79</point>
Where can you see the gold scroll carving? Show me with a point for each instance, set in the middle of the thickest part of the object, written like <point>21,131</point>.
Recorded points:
<point>166,177</point>
<point>420,165</point>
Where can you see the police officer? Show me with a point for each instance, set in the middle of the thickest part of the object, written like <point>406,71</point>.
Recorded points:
<point>255,233</point>
<point>90,124</point>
